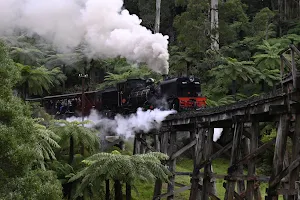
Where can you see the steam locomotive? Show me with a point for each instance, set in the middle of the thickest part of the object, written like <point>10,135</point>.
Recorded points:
<point>182,93</point>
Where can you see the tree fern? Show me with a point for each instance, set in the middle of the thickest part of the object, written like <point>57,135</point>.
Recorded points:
<point>36,80</point>
<point>75,136</point>
<point>47,141</point>
<point>269,57</point>
<point>125,168</point>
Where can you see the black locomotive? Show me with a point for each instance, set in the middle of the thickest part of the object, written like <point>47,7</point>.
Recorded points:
<point>183,93</point>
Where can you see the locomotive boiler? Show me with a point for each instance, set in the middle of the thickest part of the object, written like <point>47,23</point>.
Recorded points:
<point>182,93</point>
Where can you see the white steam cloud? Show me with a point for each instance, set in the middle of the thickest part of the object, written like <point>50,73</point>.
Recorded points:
<point>217,133</point>
<point>127,126</point>
<point>103,27</point>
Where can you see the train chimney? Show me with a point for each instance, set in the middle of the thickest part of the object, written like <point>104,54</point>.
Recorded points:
<point>165,76</point>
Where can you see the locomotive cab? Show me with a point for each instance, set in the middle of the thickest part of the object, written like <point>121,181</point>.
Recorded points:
<point>126,89</point>
<point>183,93</point>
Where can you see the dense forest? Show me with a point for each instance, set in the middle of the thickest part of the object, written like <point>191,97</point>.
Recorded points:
<point>249,37</point>
<point>42,158</point>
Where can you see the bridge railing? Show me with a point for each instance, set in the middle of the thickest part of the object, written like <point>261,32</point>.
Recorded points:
<point>288,68</point>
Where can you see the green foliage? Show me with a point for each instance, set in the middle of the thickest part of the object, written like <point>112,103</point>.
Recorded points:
<point>193,26</point>
<point>269,58</point>
<point>37,185</point>
<point>72,60</point>
<point>180,61</point>
<point>47,141</point>
<point>9,74</point>
<point>34,80</point>
<point>19,140</point>
<point>80,134</point>
<point>233,21</point>
<point>125,168</point>
<point>16,137</point>
<point>123,70</point>
<point>229,99</point>
<point>261,28</point>
<point>23,50</point>
<point>232,69</point>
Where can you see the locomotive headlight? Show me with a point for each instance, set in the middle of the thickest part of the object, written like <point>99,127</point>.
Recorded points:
<point>192,78</point>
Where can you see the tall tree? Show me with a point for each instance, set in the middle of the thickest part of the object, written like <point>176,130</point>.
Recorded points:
<point>157,16</point>
<point>214,24</point>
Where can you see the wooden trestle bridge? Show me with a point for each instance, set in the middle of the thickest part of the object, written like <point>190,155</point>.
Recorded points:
<point>242,120</point>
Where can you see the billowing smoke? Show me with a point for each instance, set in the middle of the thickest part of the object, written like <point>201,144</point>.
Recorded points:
<point>103,27</point>
<point>217,133</point>
<point>127,126</point>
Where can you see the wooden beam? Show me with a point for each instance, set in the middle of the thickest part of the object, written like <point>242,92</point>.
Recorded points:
<point>280,148</point>
<point>251,191</point>
<point>277,109</point>
<point>294,69</point>
<point>295,49</point>
<point>236,195</point>
<point>183,149</point>
<point>247,178</point>
<point>184,188</point>
<point>286,61</point>
<point>158,183</point>
<point>137,144</point>
<point>216,155</point>
<point>254,154</point>
<point>185,127</point>
<point>179,184</point>
<point>294,174</point>
<point>248,135</point>
<point>172,164</point>
<point>226,177</point>
<point>164,137</point>
<point>208,185</point>
<point>291,192</point>
<point>197,135</point>
<point>230,186</point>
<point>285,172</point>
<point>168,194</point>
<point>145,144</point>
<point>219,147</point>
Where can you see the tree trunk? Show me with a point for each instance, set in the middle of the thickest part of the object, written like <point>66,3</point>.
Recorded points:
<point>25,91</point>
<point>188,69</point>
<point>128,191</point>
<point>71,150</point>
<point>214,16</point>
<point>118,190</point>
<point>273,5</point>
<point>157,16</point>
<point>234,89</point>
<point>107,191</point>
<point>280,16</point>
<point>71,157</point>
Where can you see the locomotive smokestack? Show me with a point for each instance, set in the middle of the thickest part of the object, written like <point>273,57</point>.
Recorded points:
<point>165,76</point>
